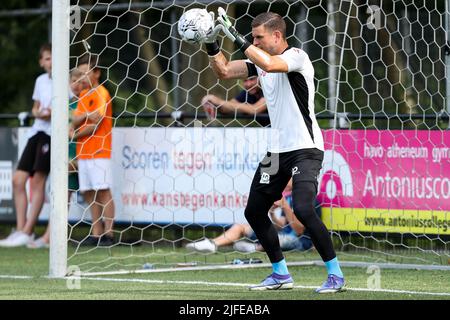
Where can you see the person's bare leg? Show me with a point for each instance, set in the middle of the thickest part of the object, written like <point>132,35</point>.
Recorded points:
<point>46,236</point>
<point>233,234</point>
<point>96,212</point>
<point>37,187</point>
<point>107,203</point>
<point>20,197</point>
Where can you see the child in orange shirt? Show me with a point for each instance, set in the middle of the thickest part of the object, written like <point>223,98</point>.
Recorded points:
<point>92,121</point>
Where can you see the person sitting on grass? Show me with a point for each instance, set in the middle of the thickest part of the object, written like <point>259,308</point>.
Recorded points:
<point>291,232</point>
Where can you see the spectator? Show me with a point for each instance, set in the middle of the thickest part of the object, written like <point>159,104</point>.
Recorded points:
<point>76,86</point>
<point>249,101</point>
<point>291,233</point>
<point>92,121</point>
<point>35,160</point>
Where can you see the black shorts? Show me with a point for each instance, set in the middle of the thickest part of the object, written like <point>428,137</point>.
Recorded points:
<point>36,155</point>
<point>275,170</point>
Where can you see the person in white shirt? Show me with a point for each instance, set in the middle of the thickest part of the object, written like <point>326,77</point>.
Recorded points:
<point>296,147</point>
<point>35,160</point>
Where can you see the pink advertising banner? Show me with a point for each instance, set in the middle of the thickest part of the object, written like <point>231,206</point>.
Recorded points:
<point>386,169</point>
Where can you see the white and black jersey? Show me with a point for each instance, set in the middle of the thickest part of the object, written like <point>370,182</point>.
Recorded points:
<point>290,102</point>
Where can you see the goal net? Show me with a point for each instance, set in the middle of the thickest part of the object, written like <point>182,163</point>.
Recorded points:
<point>180,176</point>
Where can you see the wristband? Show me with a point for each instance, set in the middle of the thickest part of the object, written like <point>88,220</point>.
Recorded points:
<point>240,42</point>
<point>212,48</point>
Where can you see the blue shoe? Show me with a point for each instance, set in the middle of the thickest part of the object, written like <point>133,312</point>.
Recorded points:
<point>332,285</point>
<point>275,282</point>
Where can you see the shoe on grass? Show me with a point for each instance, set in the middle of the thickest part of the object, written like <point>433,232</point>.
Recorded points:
<point>244,246</point>
<point>203,246</point>
<point>90,241</point>
<point>39,243</point>
<point>275,282</point>
<point>333,284</point>
<point>106,241</point>
<point>16,239</point>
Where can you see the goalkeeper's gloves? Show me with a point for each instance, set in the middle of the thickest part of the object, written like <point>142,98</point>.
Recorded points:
<point>212,46</point>
<point>231,32</point>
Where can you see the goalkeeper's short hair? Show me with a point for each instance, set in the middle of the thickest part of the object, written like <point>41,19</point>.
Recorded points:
<point>272,21</point>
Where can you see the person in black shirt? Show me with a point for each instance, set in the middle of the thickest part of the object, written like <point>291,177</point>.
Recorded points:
<point>248,101</point>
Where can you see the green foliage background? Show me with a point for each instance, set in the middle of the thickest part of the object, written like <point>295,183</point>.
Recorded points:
<point>20,40</point>
<point>397,69</point>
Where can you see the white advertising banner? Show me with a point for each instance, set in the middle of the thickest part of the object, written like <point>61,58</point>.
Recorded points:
<point>185,175</point>
<point>180,175</point>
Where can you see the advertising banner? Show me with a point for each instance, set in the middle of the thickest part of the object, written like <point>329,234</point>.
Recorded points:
<point>371,181</point>
<point>8,159</point>
<point>179,175</point>
<point>192,175</point>
<point>386,181</point>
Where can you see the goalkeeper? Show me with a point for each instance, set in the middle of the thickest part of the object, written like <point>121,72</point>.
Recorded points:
<point>296,145</point>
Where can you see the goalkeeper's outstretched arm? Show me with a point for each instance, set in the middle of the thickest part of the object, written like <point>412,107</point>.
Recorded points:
<point>223,68</point>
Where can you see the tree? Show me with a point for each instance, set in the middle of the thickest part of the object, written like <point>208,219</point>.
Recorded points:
<point>20,40</point>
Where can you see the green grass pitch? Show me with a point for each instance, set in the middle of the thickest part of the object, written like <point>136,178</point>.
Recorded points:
<point>229,284</point>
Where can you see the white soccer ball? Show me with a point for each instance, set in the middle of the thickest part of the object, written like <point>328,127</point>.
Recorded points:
<point>195,25</point>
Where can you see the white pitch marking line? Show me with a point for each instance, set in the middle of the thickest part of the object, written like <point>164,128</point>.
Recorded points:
<point>7,276</point>
<point>232,284</point>
<point>228,284</point>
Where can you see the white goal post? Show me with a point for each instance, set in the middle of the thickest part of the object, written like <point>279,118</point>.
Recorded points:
<point>59,141</point>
